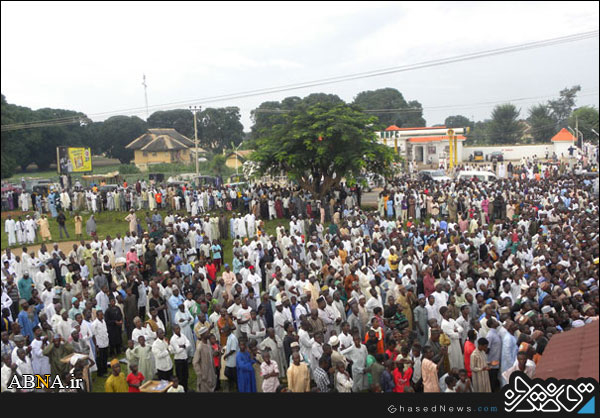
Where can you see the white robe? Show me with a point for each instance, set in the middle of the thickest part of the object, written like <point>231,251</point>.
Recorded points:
<point>39,362</point>
<point>250,220</point>
<point>30,226</point>
<point>359,362</point>
<point>25,202</point>
<point>454,351</point>
<point>10,227</point>
<point>21,232</point>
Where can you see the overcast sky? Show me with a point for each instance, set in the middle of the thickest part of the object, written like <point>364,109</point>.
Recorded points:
<point>90,57</point>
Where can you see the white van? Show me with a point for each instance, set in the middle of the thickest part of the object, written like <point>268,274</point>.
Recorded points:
<point>479,175</point>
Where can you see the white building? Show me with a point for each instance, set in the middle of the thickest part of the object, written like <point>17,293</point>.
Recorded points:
<point>422,145</point>
<point>562,141</point>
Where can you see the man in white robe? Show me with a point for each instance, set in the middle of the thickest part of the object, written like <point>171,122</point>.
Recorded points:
<point>358,355</point>
<point>10,227</point>
<point>21,231</point>
<point>30,226</point>
<point>453,331</point>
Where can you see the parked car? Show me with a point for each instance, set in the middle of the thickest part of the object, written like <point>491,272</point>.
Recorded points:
<point>157,177</point>
<point>206,181</point>
<point>496,156</point>
<point>484,176</point>
<point>476,156</point>
<point>176,183</point>
<point>238,184</point>
<point>435,175</point>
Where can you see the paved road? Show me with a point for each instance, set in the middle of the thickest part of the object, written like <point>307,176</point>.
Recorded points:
<point>370,198</point>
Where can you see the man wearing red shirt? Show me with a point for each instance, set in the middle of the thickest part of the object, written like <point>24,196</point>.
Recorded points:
<point>211,271</point>
<point>135,378</point>
<point>402,379</point>
<point>469,348</point>
<point>428,282</point>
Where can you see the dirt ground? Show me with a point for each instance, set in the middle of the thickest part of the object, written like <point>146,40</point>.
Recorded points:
<point>65,247</point>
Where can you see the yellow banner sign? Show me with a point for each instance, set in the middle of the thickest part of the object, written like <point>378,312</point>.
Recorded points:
<point>74,160</point>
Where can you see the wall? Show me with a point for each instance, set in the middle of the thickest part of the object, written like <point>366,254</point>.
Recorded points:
<point>562,147</point>
<point>515,152</point>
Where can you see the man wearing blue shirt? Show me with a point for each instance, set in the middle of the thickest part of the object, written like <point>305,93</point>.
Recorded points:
<point>28,320</point>
<point>494,353</point>
<point>25,285</point>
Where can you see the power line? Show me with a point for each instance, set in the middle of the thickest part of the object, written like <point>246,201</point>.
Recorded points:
<point>368,74</point>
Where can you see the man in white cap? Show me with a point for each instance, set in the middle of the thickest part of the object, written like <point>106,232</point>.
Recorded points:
<point>336,356</point>
<point>206,378</point>
<point>279,319</point>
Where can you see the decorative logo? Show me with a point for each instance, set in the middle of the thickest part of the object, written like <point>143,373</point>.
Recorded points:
<point>525,395</point>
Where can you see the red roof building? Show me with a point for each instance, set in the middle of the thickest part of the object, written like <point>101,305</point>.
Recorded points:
<point>571,354</point>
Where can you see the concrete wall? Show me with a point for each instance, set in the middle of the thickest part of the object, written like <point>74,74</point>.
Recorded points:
<point>515,152</point>
<point>562,148</point>
<point>142,159</point>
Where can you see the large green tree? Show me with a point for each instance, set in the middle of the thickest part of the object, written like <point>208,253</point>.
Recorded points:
<point>218,128</point>
<point>22,147</point>
<point>181,120</point>
<point>562,107</point>
<point>318,145</point>
<point>505,128</point>
<point>383,103</point>
<point>586,119</point>
<point>116,132</point>
<point>458,121</point>
<point>541,122</point>
<point>479,133</point>
<point>271,113</point>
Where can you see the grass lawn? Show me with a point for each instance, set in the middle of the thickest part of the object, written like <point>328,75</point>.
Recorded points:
<point>112,222</point>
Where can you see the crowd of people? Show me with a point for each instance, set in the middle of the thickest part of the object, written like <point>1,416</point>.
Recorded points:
<point>446,287</point>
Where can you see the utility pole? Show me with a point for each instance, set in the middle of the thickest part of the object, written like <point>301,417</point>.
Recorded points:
<point>145,95</point>
<point>195,109</point>
<point>451,146</point>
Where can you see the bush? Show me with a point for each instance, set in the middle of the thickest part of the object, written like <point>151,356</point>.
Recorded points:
<point>171,168</point>
<point>128,169</point>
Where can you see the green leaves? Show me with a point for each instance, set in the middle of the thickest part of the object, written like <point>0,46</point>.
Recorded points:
<point>542,124</point>
<point>409,114</point>
<point>586,119</point>
<point>505,127</point>
<point>347,146</point>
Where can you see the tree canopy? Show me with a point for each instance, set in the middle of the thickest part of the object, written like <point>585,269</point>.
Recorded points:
<point>458,121</point>
<point>562,107</point>
<point>26,146</point>
<point>218,128</point>
<point>586,119</point>
<point>541,122</point>
<point>182,120</point>
<point>115,133</point>
<point>409,115</point>
<point>319,144</point>
<point>505,128</point>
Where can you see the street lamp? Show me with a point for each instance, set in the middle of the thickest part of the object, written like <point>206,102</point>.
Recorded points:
<point>195,109</point>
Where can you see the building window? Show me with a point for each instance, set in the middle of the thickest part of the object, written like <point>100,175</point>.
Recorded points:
<point>447,149</point>
<point>431,150</point>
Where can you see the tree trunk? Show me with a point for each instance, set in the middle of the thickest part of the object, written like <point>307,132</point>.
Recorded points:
<point>319,190</point>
